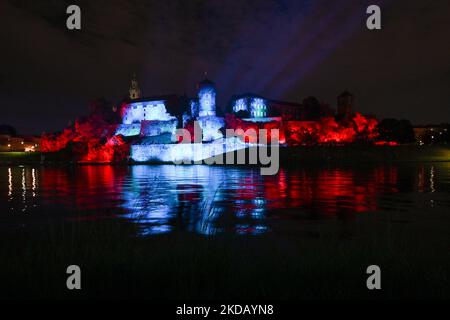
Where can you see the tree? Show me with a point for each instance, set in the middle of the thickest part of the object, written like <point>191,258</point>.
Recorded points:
<point>400,131</point>
<point>8,130</point>
<point>101,108</point>
<point>312,108</point>
<point>446,133</point>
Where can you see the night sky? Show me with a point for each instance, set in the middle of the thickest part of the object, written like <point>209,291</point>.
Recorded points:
<point>280,49</point>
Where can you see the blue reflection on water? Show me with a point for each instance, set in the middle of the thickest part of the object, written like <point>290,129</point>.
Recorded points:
<point>211,199</point>
<point>173,198</point>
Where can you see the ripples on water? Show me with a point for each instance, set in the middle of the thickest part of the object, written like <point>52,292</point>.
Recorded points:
<point>209,200</point>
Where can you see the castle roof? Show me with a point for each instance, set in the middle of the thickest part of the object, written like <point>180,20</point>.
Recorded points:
<point>175,104</point>
<point>206,81</point>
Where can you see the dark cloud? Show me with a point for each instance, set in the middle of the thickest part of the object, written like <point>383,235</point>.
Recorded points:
<point>285,49</point>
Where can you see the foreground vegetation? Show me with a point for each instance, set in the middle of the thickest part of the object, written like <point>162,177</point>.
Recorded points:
<point>319,260</point>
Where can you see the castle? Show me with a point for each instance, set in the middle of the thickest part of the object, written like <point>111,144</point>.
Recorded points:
<point>155,119</point>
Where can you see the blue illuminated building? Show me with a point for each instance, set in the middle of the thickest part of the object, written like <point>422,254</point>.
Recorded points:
<point>152,116</point>
<point>162,115</point>
<point>256,106</point>
<point>152,122</point>
<point>207,98</point>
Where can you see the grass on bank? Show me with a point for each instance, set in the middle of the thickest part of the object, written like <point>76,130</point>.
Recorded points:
<point>17,157</point>
<point>288,155</point>
<point>324,262</point>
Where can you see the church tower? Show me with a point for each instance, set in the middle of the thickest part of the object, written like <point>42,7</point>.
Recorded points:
<point>135,92</point>
<point>207,98</point>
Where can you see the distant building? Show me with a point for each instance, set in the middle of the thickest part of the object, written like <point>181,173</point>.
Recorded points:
<point>286,110</point>
<point>256,106</point>
<point>10,143</point>
<point>345,104</point>
<point>260,107</point>
<point>163,115</point>
<point>428,134</point>
<point>153,116</point>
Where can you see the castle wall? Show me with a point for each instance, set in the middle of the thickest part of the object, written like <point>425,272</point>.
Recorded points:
<point>129,130</point>
<point>211,126</point>
<point>150,128</point>
<point>184,152</point>
<point>149,110</point>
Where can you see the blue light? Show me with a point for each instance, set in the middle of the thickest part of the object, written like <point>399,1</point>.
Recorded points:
<point>194,108</point>
<point>258,108</point>
<point>240,105</point>
<point>207,100</point>
<point>156,128</point>
<point>148,110</point>
<point>211,128</point>
<point>129,130</point>
<point>186,153</point>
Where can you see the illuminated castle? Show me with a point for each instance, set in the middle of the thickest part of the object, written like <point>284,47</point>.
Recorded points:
<point>162,115</point>
<point>156,119</point>
<point>206,99</point>
<point>151,123</point>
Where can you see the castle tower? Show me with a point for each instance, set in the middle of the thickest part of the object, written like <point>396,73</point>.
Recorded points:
<point>135,92</point>
<point>207,98</point>
<point>345,104</point>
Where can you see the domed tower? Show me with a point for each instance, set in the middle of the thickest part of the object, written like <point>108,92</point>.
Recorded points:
<point>135,92</point>
<point>207,98</point>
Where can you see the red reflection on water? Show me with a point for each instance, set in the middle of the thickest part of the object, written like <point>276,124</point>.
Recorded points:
<point>330,191</point>
<point>308,192</point>
<point>84,187</point>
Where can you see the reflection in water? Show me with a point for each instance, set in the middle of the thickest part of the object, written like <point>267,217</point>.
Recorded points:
<point>10,184</point>
<point>22,183</point>
<point>432,179</point>
<point>33,177</point>
<point>212,199</point>
<point>173,197</point>
<point>24,191</point>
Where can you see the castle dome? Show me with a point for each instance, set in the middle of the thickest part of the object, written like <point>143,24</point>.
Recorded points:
<point>206,83</point>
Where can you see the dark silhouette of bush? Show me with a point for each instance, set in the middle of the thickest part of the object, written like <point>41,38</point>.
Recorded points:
<point>400,131</point>
<point>7,130</point>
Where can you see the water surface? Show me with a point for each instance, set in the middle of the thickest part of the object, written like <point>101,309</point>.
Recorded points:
<point>212,199</point>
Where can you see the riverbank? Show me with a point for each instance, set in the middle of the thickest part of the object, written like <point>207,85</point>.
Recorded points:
<point>17,158</point>
<point>288,155</point>
<point>358,154</point>
<point>320,261</point>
